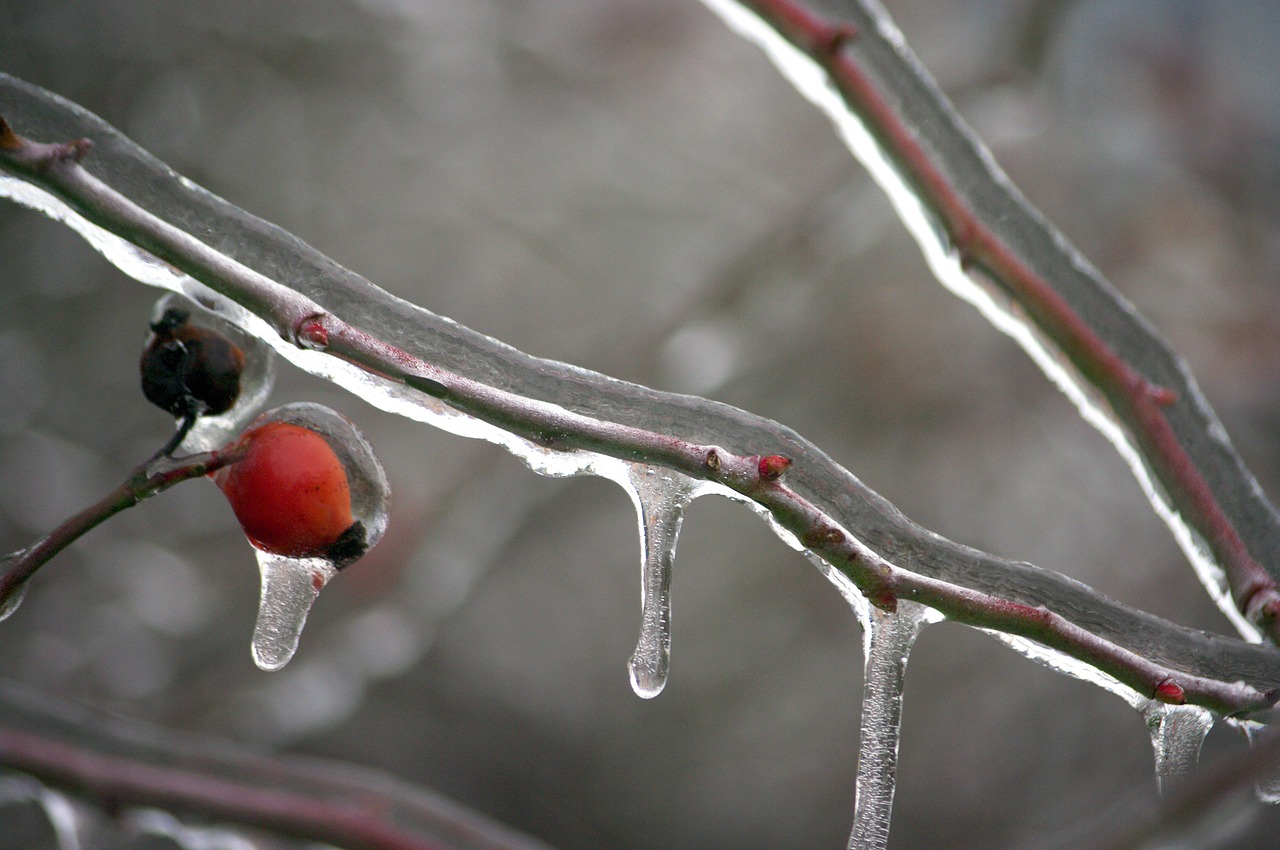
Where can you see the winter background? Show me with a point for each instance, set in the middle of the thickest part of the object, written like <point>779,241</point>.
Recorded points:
<point>627,186</point>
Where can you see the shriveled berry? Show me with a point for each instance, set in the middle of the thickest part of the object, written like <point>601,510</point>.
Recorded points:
<point>187,369</point>
<point>291,495</point>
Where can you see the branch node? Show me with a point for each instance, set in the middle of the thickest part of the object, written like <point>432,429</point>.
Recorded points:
<point>1162,396</point>
<point>837,37</point>
<point>312,334</point>
<point>1170,691</point>
<point>771,467</point>
<point>1262,606</point>
<point>713,460</point>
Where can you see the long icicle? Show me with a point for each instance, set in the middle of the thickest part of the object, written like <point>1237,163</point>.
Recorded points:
<point>887,640</point>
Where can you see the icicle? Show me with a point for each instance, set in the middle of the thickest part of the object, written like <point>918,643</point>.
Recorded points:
<point>887,639</point>
<point>289,588</point>
<point>660,498</point>
<point>1177,732</point>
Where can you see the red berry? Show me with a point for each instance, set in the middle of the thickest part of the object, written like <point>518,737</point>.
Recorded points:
<point>289,491</point>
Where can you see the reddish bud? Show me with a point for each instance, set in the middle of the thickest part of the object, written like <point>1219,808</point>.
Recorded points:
<point>1171,692</point>
<point>771,467</point>
<point>290,493</point>
<point>1162,396</point>
<point>313,334</point>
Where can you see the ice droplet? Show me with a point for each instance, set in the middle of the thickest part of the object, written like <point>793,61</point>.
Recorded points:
<point>660,497</point>
<point>887,639</point>
<point>1177,732</point>
<point>289,588</point>
<point>1266,789</point>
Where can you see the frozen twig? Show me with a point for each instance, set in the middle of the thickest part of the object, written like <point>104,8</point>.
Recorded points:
<point>406,353</point>
<point>1166,429</point>
<point>155,476</point>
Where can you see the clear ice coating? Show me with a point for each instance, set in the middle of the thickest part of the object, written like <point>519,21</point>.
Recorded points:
<point>256,381</point>
<point>945,262</point>
<point>289,589</point>
<point>1177,733</point>
<point>290,585</point>
<point>887,639</point>
<point>661,497</point>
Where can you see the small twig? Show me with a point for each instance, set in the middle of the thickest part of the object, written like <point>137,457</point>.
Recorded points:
<point>156,475</point>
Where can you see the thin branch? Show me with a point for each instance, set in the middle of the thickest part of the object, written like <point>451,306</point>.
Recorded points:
<point>997,235</point>
<point>552,409</point>
<point>155,476</point>
<point>119,764</point>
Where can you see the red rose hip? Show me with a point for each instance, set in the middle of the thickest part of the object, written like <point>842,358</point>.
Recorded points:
<point>289,491</point>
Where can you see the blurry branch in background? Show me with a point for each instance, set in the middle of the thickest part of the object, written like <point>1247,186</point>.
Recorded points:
<point>120,764</point>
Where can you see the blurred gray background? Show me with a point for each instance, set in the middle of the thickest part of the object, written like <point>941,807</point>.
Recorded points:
<point>627,186</point>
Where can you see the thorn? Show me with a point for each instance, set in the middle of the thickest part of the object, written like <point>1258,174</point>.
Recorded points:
<point>771,467</point>
<point>713,460</point>
<point>313,334</point>
<point>1171,692</point>
<point>430,386</point>
<point>9,140</point>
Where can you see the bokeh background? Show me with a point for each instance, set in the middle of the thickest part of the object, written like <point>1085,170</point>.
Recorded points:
<point>624,185</point>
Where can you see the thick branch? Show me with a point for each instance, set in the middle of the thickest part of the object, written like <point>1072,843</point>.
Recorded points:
<point>410,361</point>
<point>1169,430</point>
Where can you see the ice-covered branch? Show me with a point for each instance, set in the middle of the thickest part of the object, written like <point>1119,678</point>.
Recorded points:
<point>986,243</point>
<point>165,231</point>
<point>128,765</point>
<point>155,476</point>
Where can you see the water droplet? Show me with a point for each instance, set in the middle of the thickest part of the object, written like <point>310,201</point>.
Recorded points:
<point>660,497</point>
<point>1177,733</point>
<point>289,588</point>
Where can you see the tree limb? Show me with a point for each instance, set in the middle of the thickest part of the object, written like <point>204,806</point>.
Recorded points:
<point>564,419</point>
<point>1118,366</point>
